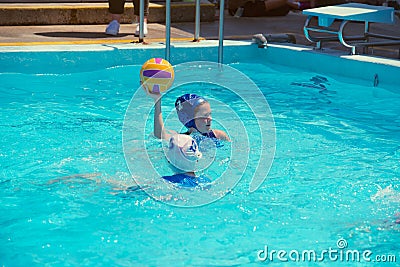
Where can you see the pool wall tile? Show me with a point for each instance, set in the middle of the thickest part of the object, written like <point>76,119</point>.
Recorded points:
<point>365,68</point>
<point>61,59</point>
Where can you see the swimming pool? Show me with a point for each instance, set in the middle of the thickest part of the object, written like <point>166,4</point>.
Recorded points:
<point>333,183</point>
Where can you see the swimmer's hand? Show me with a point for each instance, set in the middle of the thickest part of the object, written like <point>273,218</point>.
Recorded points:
<point>154,96</point>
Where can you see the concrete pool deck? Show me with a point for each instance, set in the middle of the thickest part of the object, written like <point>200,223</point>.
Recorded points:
<point>234,29</point>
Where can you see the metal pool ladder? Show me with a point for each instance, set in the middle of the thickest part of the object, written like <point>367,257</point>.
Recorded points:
<point>197,27</point>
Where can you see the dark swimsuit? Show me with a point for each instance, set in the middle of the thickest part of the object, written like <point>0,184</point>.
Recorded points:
<point>201,136</point>
<point>210,134</point>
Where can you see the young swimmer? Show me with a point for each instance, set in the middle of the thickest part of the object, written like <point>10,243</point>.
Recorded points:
<point>193,111</point>
<point>183,154</point>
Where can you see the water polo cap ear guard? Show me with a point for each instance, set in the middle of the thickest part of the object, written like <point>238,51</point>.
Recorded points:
<point>192,151</point>
<point>185,106</point>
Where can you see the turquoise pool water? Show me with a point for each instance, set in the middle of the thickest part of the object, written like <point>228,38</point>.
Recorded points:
<point>66,199</point>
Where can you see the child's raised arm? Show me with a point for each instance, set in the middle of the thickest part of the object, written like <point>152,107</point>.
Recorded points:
<point>159,131</point>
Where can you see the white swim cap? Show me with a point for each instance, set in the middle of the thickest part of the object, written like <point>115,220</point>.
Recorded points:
<point>183,152</point>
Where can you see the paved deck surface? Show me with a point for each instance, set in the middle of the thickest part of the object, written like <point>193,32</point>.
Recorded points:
<point>235,28</point>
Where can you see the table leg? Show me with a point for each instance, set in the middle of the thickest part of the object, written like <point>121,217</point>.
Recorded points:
<point>307,34</point>
<point>341,38</point>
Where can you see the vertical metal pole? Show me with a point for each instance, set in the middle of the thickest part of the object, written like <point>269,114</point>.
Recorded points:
<point>197,22</point>
<point>167,29</point>
<point>366,38</point>
<point>221,31</point>
<point>366,28</point>
<point>141,21</point>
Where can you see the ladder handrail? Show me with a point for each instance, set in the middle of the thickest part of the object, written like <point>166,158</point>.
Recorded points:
<point>167,29</point>
<point>197,27</point>
<point>197,22</point>
<point>221,31</point>
<point>141,21</point>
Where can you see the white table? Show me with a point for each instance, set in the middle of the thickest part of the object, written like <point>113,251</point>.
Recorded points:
<point>347,13</point>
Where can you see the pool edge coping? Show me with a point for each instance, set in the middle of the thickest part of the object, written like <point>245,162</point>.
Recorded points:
<point>182,43</point>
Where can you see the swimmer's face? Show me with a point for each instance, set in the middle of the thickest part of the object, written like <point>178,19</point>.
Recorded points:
<point>203,117</point>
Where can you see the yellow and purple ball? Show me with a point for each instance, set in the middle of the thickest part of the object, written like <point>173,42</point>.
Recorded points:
<point>157,75</point>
